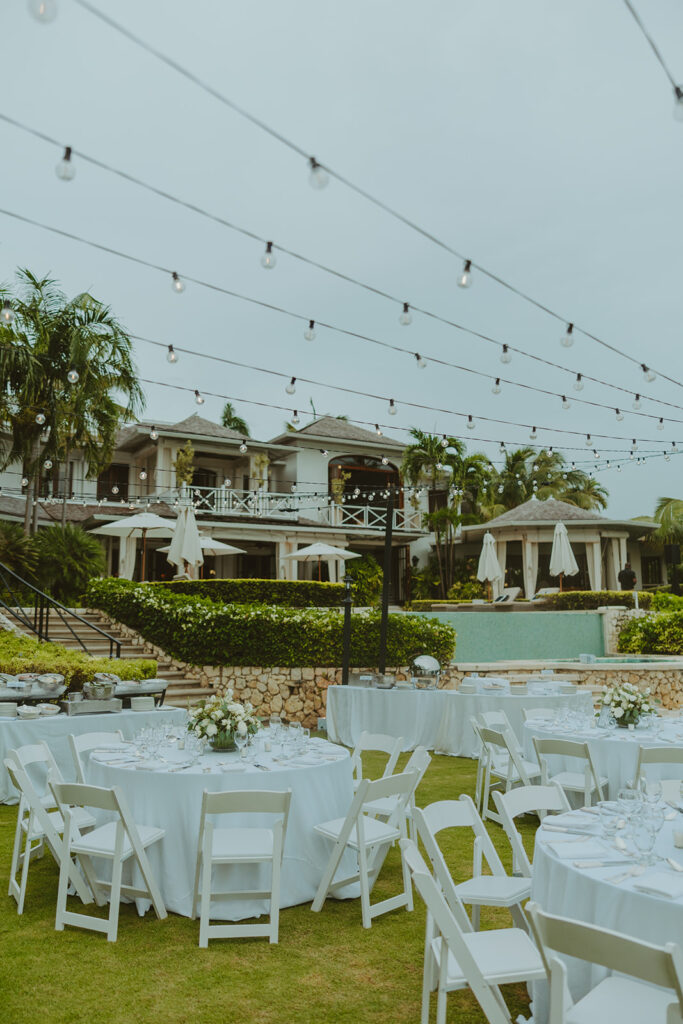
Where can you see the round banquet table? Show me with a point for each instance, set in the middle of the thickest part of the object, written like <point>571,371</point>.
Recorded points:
<point>321,782</point>
<point>614,751</point>
<point>436,719</point>
<point>587,894</point>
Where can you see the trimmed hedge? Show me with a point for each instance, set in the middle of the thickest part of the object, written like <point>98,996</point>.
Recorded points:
<point>204,632</point>
<point>662,601</point>
<point>25,654</point>
<point>293,593</point>
<point>586,600</point>
<point>661,633</point>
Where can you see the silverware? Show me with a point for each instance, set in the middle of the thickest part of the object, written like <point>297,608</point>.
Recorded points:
<point>674,864</point>
<point>596,864</point>
<point>633,872</point>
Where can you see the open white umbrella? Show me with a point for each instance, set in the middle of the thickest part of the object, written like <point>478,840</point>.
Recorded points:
<point>562,561</point>
<point>186,546</point>
<point>318,551</point>
<point>143,524</point>
<point>489,570</point>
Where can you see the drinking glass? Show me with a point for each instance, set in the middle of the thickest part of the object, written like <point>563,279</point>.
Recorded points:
<point>651,790</point>
<point>240,743</point>
<point>643,836</point>
<point>609,819</point>
<point>629,801</point>
<point>305,739</point>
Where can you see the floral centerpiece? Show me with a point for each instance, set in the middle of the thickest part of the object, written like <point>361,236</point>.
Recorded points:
<point>627,703</point>
<point>219,719</point>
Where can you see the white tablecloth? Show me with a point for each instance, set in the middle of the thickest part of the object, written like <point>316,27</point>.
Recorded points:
<point>320,791</point>
<point>436,719</point>
<point>614,752</point>
<point>584,894</point>
<point>54,731</point>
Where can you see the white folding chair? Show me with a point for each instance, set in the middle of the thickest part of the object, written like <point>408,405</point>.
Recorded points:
<point>657,755</point>
<point>586,782</point>
<point>419,762</point>
<point>618,998</point>
<point>240,846</point>
<point>528,800</point>
<point>503,766</point>
<point>88,741</point>
<point>376,742</point>
<point>495,890</point>
<point>370,839</point>
<point>36,828</point>
<point>118,841</point>
<point>458,958</point>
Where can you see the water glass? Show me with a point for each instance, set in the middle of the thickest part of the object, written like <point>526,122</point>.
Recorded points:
<point>629,802</point>
<point>609,819</point>
<point>240,743</point>
<point>643,837</point>
<point>305,739</point>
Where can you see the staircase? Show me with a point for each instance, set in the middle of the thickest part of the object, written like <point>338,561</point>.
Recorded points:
<point>179,689</point>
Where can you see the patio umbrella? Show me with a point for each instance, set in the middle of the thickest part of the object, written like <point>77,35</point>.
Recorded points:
<point>186,548</point>
<point>562,561</point>
<point>140,525</point>
<point>489,569</point>
<point>213,547</point>
<point>319,551</point>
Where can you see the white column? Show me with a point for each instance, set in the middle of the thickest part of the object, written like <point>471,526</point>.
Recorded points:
<point>594,564</point>
<point>613,567</point>
<point>623,555</point>
<point>287,567</point>
<point>530,566</point>
<point>501,555</point>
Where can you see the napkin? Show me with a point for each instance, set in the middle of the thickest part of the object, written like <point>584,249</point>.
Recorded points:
<point>580,851</point>
<point>661,884</point>
<point>306,761</point>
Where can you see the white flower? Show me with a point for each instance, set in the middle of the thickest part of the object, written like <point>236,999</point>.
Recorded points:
<point>242,728</point>
<point>618,712</point>
<point>211,729</point>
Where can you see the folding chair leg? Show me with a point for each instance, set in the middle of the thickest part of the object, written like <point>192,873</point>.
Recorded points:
<point>407,883</point>
<point>364,887</point>
<point>115,898</point>
<point>476,916</point>
<point>152,887</point>
<point>328,876</point>
<point>26,860</point>
<point>275,898</point>
<point>442,994</point>
<point>429,980</point>
<point>62,891</point>
<point>18,836</point>
<point>195,891</point>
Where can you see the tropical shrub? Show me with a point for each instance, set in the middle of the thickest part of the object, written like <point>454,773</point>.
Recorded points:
<point>660,633</point>
<point>466,590</point>
<point>665,602</point>
<point>586,600</point>
<point>367,576</point>
<point>204,632</point>
<point>26,654</point>
<point>17,551</point>
<point>67,558</point>
<point>294,593</point>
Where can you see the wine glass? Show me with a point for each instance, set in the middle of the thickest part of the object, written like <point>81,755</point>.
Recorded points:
<point>643,835</point>
<point>609,820</point>
<point>240,743</point>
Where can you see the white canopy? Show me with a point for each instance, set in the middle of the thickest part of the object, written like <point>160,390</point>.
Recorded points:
<point>144,524</point>
<point>211,546</point>
<point>316,553</point>
<point>489,568</point>
<point>562,561</point>
<point>186,546</point>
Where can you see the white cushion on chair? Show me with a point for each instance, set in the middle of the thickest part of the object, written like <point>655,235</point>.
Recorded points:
<point>622,999</point>
<point>509,946</point>
<point>375,831</point>
<point>102,841</point>
<point>236,844</point>
<point>494,890</point>
<point>386,805</point>
<point>575,781</point>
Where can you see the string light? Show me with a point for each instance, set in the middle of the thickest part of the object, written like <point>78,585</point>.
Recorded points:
<point>578,383</point>
<point>243,447</point>
<point>318,178</point>
<point>72,376</point>
<point>636,403</point>
<point>444,441</point>
<point>501,447</point>
<point>505,355</point>
<point>291,387</point>
<point>631,455</point>
<point>465,278</point>
<point>153,434</point>
<point>588,441</point>
<point>420,361</point>
<point>566,404</point>
<point>40,418</point>
<point>634,445</point>
<point>309,333</point>
<point>7,312</point>
<point>43,11</point>
<point>199,399</point>
<point>533,435</point>
<point>176,284</point>
<point>385,460</point>
<point>295,418</point>
<point>619,415</point>
<point>392,407</point>
<point>65,170</point>
<point>674,446</point>
<point>567,339</point>
<point>324,452</point>
<point>618,468</point>
<point>115,489</point>
<point>268,260</point>
<point>227,482</point>
<point>377,430</point>
<point>47,464</point>
<point>595,453</point>
<point>405,317</point>
<point>496,389</point>
<point>660,424</point>
<point>171,356</point>
<point>24,481</point>
<point>143,474</point>
<point>470,423</point>
<point>648,374</point>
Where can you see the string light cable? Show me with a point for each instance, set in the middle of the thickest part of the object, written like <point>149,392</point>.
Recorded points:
<point>678,91</point>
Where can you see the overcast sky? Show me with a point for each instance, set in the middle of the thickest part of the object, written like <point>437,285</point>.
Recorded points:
<point>536,137</point>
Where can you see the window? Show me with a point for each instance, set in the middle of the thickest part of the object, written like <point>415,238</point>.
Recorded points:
<point>652,571</point>
<point>115,475</point>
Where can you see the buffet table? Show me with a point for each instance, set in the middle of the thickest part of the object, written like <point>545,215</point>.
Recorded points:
<point>170,797</point>
<point>15,732</point>
<point>436,719</point>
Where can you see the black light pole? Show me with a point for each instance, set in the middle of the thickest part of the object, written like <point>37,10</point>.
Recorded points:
<point>672,554</point>
<point>346,638</point>
<point>386,583</point>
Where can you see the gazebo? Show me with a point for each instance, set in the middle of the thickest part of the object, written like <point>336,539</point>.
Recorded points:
<point>608,543</point>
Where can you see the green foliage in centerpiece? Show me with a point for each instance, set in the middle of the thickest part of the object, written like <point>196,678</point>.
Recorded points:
<point>627,703</point>
<point>219,719</point>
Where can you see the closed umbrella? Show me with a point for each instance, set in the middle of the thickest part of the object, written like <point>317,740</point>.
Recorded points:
<point>213,547</point>
<point>489,569</point>
<point>562,561</point>
<point>140,525</point>
<point>186,548</point>
<point>318,551</point>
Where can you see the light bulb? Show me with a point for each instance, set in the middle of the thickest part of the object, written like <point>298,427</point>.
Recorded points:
<point>595,454</point>
<point>65,170</point>
<point>268,260</point>
<point>535,467</point>
<point>634,445</point>
<point>377,430</point>
<point>620,415</point>
<point>47,464</point>
<point>465,278</point>
<point>176,284</point>
<point>496,387</point>
<point>550,450</point>
<point>7,312</point>
<point>618,469</point>
<point>674,446</point>
<point>153,434</point>
<point>421,362</point>
<point>324,452</point>
<point>243,447</point>
<point>505,355</point>
<point>143,474</point>
<point>444,441</point>
<point>171,356</point>
<point>660,425</point>
<point>501,447</point>
<point>533,435</point>
<point>318,178</point>
<point>667,457</point>
<point>392,407</point>
<point>291,387</point>
<point>227,482</point>
<point>636,403</point>
<point>40,418</point>
<point>678,103</point>
<point>578,383</point>
<point>567,339</point>
<point>470,423</point>
<point>648,374</point>
<point>309,333</point>
<point>385,460</point>
<point>406,317</point>
<point>588,441</point>
<point>566,404</point>
<point>295,418</point>
<point>199,399</point>
<point>631,456</point>
<point>72,376</point>
<point>44,11</point>
<point>24,481</point>
<point>115,489</point>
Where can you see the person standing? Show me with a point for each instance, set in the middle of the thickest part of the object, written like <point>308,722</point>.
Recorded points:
<point>627,578</point>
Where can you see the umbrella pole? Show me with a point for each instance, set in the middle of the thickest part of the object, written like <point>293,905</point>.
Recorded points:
<point>144,539</point>
<point>561,575</point>
<point>319,569</point>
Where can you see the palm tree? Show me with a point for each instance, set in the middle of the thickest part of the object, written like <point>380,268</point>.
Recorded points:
<point>428,460</point>
<point>68,558</point>
<point>586,492</point>
<point>80,384</point>
<point>669,516</point>
<point>527,473</point>
<point>233,421</point>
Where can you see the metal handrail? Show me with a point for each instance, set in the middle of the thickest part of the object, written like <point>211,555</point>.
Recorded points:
<point>42,603</point>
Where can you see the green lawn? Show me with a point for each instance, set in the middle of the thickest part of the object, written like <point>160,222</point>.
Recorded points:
<point>325,968</point>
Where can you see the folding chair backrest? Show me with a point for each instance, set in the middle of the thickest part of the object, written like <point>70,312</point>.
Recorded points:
<point>32,802</point>
<point>419,761</point>
<point>493,719</point>
<point>79,795</point>
<point>250,801</point>
<point>566,748</point>
<point>87,741</point>
<point>379,742</point>
<point>401,785</point>
<point>503,742</point>
<point>526,800</point>
<point>657,965</point>
<point>657,755</point>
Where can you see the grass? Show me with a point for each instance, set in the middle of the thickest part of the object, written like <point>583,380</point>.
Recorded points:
<point>326,967</point>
